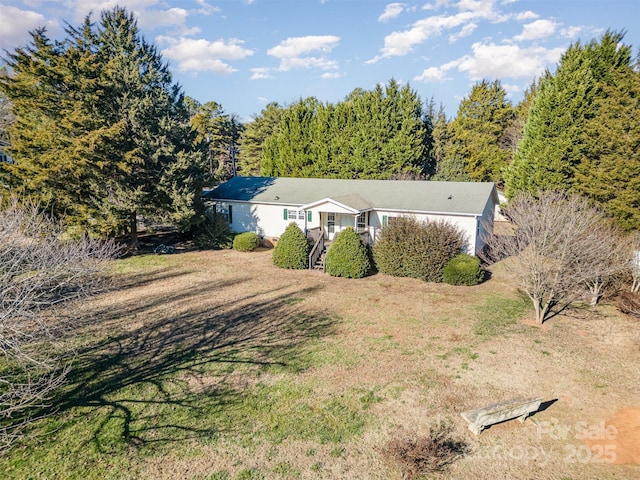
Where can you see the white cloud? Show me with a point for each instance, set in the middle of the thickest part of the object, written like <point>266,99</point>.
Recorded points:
<point>206,9</point>
<point>261,73</point>
<point>148,13</point>
<point>296,46</point>
<point>465,31</point>
<point>17,23</point>
<point>322,63</point>
<point>507,61</point>
<point>202,55</point>
<point>528,15</point>
<point>84,7</point>
<point>292,51</point>
<point>163,18</point>
<point>391,11</point>
<point>470,12</point>
<point>331,75</point>
<point>511,89</point>
<point>432,74</point>
<point>497,61</point>
<point>537,29</point>
<point>398,44</point>
<point>572,32</point>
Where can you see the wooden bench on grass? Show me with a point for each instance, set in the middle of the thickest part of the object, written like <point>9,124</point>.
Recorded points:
<point>499,412</point>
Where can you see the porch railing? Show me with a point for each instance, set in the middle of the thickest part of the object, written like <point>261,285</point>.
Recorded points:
<point>316,250</point>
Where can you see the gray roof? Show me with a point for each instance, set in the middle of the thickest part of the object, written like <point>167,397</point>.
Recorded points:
<point>362,195</point>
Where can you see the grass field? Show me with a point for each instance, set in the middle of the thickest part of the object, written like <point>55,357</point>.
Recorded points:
<point>218,365</point>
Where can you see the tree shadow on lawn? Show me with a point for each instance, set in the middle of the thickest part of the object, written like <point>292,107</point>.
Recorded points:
<point>141,373</point>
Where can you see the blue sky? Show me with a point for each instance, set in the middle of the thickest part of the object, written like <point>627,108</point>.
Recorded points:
<point>246,53</point>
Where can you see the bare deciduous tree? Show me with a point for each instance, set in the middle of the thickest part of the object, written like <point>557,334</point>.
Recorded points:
<point>608,259</point>
<point>635,262</point>
<point>561,248</point>
<point>41,272</point>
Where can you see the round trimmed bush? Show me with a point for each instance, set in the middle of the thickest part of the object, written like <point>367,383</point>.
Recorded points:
<point>463,269</point>
<point>246,242</point>
<point>347,257</point>
<point>292,249</point>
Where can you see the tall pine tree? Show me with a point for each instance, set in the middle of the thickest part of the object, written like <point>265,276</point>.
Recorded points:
<point>476,134</point>
<point>372,134</point>
<point>102,134</point>
<point>556,138</point>
<point>609,171</point>
<point>255,135</point>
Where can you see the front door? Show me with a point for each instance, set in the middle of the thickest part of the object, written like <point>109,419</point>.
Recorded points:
<point>331,225</point>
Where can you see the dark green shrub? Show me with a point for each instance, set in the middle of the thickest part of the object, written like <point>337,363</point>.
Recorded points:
<point>410,248</point>
<point>246,242</point>
<point>213,232</point>
<point>292,249</point>
<point>347,257</point>
<point>463,269</point>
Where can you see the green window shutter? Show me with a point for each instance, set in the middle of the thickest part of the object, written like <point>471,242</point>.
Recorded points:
<point>230,216</point>
<point>309,216</point>
<point>285,213</point>
<point>384,220</point>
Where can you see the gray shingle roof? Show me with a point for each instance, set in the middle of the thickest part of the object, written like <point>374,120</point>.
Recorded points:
<point>393,195</point>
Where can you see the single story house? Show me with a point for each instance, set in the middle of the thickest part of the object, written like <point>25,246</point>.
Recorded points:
<point>266,205</point>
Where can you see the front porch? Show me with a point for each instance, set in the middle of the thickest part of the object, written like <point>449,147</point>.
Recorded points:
<point>320,245</point>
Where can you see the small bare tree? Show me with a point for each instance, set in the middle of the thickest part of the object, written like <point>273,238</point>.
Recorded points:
<point>40,273</point>
<point>635,262</point>
<point>608,259</point>
<point>560,247</point>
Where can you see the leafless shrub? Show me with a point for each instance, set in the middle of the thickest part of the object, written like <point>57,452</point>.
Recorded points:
<point>40,273</point>
<point>629,303</point>
<point>418,456</point>
<point>562,249</point>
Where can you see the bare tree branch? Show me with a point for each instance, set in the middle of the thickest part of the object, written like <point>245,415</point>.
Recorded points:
<point>41,272</point>
<point>561,249</point>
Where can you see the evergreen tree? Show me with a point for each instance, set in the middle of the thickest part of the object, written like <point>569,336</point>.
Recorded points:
<point>372,134</point>
<point>102,134</point>
<point>609,171</point>
<point>476,134</point>
<point>555,139</point>
<point>254,136</point>
<point>220,132</point>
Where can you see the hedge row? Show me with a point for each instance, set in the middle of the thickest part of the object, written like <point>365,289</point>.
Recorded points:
<point>430,251</point>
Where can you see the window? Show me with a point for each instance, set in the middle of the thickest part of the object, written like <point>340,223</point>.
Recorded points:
<point>387,220</point>
<point>331,222</point>
<point>361,222</point>
<point>225,211</point>
<point>293,214</point>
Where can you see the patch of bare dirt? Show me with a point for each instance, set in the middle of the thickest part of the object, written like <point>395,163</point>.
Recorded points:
<point>618,439</point>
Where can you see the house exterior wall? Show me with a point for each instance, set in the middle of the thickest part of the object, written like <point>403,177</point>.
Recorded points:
<point>268,221</point>
<point>485,225</point>
<point>468,225</point>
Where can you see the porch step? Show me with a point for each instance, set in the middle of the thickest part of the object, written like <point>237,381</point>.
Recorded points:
<point>319,265</point>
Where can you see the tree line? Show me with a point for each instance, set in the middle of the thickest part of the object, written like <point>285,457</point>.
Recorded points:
<point>575,130</point>
<point>103,136</point>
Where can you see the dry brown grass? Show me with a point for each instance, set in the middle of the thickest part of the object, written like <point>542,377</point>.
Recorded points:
<point>412,345</point>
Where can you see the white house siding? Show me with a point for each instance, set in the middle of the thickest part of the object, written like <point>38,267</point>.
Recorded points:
<point>485,225</point>
<point>468,225</point>
<point>266,220</point>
